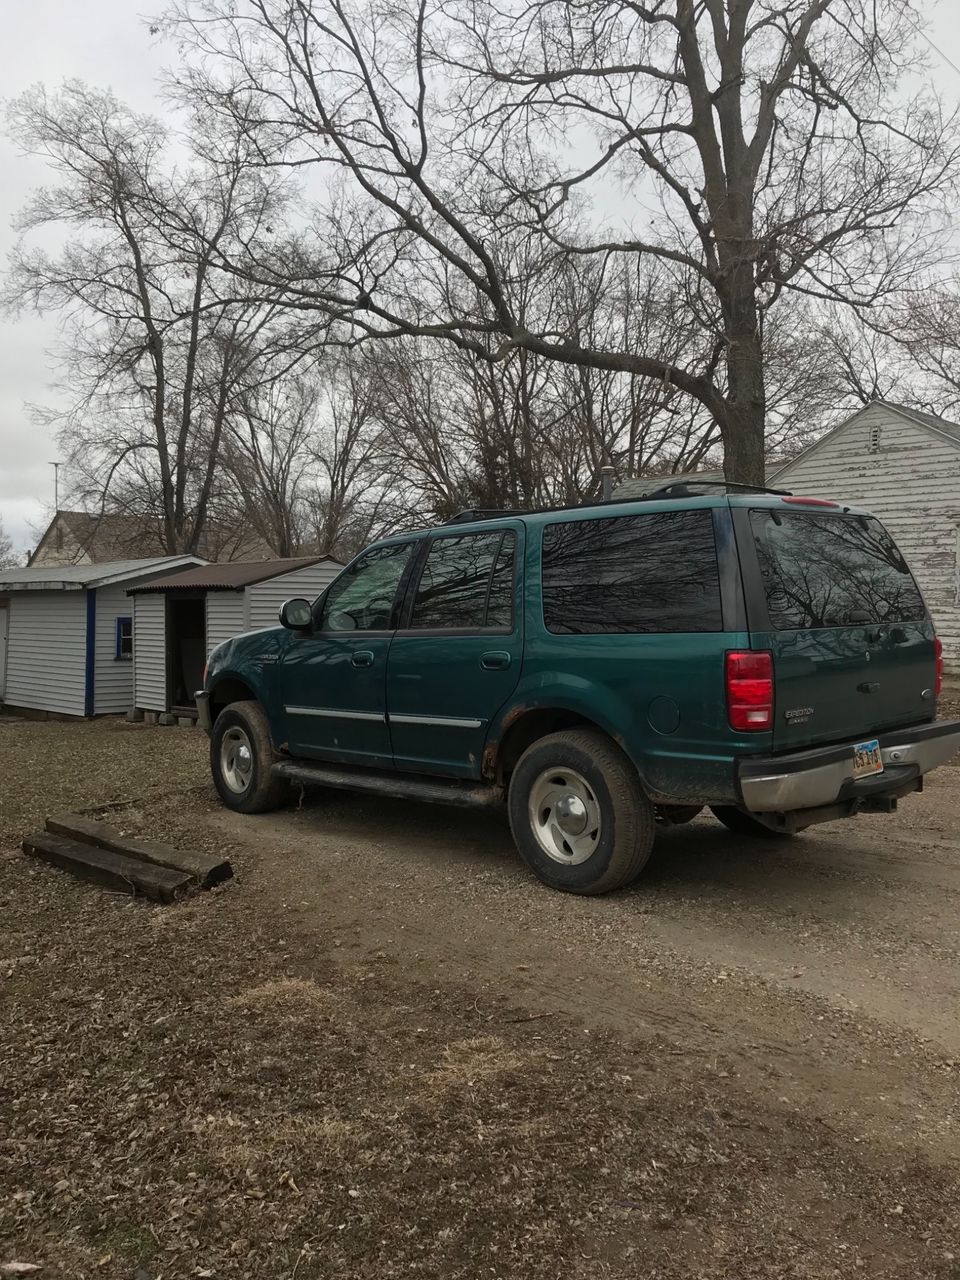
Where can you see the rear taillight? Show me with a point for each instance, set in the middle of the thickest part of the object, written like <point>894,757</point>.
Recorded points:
<point>938,656</point>
<point>749,681</point>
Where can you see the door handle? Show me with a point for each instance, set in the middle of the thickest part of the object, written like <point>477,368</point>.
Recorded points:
<point>362,658</point>
<point>495,660</point>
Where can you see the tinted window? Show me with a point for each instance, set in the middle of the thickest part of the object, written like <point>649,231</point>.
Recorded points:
<point>467,582</point>
<point>361,599</point>
<point>500,599</point>
<point>832,571</point>
<point>644,573</point>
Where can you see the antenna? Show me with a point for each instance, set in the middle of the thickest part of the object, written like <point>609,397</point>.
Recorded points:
<point>56,486</point>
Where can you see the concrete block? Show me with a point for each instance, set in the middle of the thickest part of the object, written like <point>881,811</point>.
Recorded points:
<point>186,722</point>
<point>134,716</point>
<point>166,718</point>
<point>150,717</point>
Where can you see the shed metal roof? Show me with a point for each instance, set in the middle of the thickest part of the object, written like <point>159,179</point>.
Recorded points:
<point>233,576</point>
<point>78,577</point>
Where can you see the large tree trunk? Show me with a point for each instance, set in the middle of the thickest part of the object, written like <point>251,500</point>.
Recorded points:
<point>744,417</point>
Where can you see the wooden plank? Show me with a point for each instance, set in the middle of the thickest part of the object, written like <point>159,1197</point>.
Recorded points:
<point>128,875</point>
<point>207,869</point>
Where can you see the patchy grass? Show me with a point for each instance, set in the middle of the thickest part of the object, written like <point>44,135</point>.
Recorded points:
<point>48,766</point>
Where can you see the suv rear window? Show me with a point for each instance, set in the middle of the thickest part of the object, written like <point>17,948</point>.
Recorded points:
<point>823,571</point>
<point>632,574</point>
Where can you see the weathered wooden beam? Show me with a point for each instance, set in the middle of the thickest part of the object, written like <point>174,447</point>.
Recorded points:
<point>102,866</point>
<point>206,868</point>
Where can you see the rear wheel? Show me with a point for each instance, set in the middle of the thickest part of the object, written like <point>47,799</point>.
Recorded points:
<point>241,756</point>
<point>578,813</point>
<point>742,823</point>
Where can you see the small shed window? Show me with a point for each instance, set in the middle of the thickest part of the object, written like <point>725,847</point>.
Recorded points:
<point>124,643</point>
<point>875,438</point>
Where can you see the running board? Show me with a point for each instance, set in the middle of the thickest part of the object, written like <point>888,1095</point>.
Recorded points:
<point>407,786</point>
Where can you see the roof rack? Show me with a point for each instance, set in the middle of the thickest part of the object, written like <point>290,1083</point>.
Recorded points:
<point>483,513</point>
<point>688,489</point>
<point>678,489</point>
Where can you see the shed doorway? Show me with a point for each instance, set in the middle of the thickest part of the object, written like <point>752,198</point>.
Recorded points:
<point>186,649</point>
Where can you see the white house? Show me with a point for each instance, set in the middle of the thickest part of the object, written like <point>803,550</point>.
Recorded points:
<point>179,620</point>
<point>66,635</point>
<point>904,466</point>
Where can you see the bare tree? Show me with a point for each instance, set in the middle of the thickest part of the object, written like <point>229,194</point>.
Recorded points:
<point>756,152</point>
<point>8,557</point>
<point>157,348</point>
<point>926,327</point>
<point>358,494</point>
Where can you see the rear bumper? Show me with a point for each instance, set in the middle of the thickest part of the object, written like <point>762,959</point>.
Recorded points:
<point>202,699</point>
<point>824,776</point>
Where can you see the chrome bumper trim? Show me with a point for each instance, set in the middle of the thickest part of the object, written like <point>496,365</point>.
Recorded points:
<point>810,788</point>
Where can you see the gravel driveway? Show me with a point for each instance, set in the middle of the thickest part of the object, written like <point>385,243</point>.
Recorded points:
<point>385,1050</point>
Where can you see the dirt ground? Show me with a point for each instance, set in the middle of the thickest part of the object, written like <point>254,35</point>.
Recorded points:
<point>385,1050</point>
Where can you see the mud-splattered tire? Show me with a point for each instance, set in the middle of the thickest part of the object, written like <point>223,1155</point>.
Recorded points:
<point>241,754</point>
<point>745,824</point>
<point>578,813</point>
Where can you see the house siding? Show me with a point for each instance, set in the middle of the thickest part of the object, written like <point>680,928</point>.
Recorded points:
<point>113,678</point>
<point>265,598</point>
<point>226,617</point>
<point>46,651</point>
<point>912,483</point>
<point>150,653</point>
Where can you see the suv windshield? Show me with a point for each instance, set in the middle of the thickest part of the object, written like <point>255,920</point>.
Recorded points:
<point>832,571</point>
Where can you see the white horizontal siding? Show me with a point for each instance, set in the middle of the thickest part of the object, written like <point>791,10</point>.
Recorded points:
<point>47,651</point>
<point>113,677</point>
<point>226,617</point>
<point>912,484</point>
<point>150,651</point>
<point>265,598</point>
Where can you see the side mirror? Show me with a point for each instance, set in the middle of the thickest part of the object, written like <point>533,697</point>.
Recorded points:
<point>296,615</point>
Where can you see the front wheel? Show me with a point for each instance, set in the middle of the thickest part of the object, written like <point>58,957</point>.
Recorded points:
<point>578,813</point>
<point>742,823</point>
<point>241,756</point>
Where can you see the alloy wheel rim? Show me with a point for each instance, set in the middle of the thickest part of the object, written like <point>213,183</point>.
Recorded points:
<point>564,815</point>
<point>236,760</point>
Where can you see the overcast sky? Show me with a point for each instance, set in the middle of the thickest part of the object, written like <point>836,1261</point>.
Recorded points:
<point>105,42</point>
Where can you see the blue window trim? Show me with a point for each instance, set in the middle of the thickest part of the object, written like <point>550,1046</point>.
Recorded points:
<point>88,689</point>
<point>118,654</point>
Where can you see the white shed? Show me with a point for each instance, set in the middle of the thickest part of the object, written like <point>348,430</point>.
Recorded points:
<point>904,466</point>
<point>179,621</point>
<point>66,635</point>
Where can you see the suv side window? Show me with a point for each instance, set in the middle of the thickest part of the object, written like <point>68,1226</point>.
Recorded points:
<point>362,598</point>
<point>632,574</point>
<point>467,583</point>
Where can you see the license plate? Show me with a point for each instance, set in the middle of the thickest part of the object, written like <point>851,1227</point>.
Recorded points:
<point>867,759</point>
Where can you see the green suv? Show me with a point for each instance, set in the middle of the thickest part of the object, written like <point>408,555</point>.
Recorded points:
<point>601,669</point>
